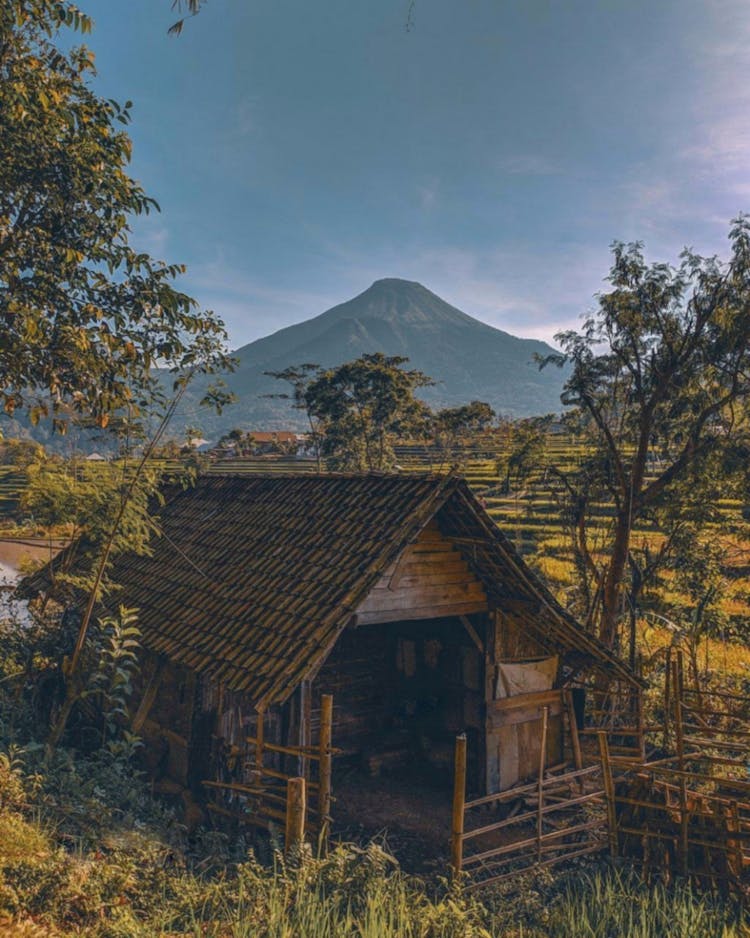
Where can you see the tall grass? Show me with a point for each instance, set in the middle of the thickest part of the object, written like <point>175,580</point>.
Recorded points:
<point>617,904</point>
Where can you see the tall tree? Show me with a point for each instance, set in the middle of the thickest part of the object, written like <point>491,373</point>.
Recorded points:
<point>523,450</point>
<point>300,377</point>
<point>661,375</point>
<point>362,406</point>
<point>84,316</point>
<point>457,428</point>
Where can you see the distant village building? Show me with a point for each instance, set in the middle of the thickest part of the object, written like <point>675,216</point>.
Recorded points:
<point>263,443</point>
<point>198,443</point>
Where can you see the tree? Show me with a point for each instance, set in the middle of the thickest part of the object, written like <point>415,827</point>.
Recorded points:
<point>457,427</point>
<point>362,406</point>
<point>300,377</point>
<point>82,497</point>
<point>524,450</point>
<point>660,376</point>
<point>84,317</point>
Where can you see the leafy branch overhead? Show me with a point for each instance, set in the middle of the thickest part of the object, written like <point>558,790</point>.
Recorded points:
<point>85,317</point>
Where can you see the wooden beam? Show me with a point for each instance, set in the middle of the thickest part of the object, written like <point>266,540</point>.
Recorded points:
<point>443,595</point>
<point>149,695</point>
<point>575,739</point>
<point>421,612</point>
<point>459,801</point>
<point>472,633</point>
<point>305,726</point>
<point>540,787</point>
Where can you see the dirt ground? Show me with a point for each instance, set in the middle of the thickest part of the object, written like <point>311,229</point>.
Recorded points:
<point>410,814</point>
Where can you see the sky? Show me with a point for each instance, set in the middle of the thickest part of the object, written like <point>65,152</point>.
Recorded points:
<point>490,149</point>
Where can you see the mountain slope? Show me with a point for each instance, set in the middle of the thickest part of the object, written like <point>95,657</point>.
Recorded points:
<point>469,359</point>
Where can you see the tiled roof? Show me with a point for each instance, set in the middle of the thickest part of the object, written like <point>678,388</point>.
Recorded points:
<point>254,577</point>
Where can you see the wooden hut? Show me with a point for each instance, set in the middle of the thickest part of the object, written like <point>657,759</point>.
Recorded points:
<point>397,595</point>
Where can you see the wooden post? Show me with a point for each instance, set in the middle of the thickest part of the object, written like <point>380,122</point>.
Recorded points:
<point>734,844</point>
<point>295,813</point>
<point>680,741</point>
<point>540,783</point>
<point>325,766</point>
<point>305,718</point>
<point>489,737</point>
<point>575,739</point>
<point>680,686</point>
<point>259,745</point>
<point>459,800</point>
<point>641,723</point>
<point>677,706</point>
<point>609,791</point>
<point>667,695</point>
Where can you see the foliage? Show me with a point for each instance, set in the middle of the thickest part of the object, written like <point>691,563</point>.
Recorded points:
<point>19,453</point>
<point>111,681</point>
<point>85,498</point>
<point>300,377</point>
<point>84,316</point>
<point>523,450</point>
<point>659,379</point>
<point>362,406</point>
<point>454,428</point>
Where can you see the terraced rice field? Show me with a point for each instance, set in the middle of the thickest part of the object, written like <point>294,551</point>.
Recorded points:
<point>529,517</point>
<point>11,486</point>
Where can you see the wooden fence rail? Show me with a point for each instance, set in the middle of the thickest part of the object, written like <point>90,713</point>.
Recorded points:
<point>266,794</point>
<point>567,820</point>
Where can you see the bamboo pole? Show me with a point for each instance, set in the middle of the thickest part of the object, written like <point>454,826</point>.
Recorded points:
<point>295,813</point>
<point>734,844</point>
<point>609,791</point>
<point>285,750</point>
<point>540,783</point>
<point>680,686</point>
<point>680,742</point>
<point>459,801</point>
<point>305,731</point>
<point>640,719</point>
<point>325,766</point>
<point>667,698</point>
<point>259,744</point>
<point>575,739</point>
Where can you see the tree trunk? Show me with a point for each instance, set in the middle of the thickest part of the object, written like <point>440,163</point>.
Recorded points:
<point>613,580</point>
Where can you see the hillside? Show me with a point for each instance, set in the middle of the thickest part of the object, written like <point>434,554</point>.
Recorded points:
<point>469,359</point>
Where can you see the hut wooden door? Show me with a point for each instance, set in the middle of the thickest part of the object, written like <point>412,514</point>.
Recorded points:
<point>514,737</point>
<point>513,723</point>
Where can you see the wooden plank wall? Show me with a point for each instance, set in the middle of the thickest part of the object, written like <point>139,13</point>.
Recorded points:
<point>356,674</point>
<point>429,580</point>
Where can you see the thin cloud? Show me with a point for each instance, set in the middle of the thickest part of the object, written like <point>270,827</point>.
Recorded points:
<point>529,164</point>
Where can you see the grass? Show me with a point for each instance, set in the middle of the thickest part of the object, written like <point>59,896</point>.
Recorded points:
<point>620,904</point>
<point>352,893</point>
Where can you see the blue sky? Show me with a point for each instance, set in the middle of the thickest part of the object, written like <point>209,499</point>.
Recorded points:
<point>301,149</point>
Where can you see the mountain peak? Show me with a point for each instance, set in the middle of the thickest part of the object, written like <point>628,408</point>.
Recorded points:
<point>395,282</point>
<point>469,359</point>
<point>398,301</point>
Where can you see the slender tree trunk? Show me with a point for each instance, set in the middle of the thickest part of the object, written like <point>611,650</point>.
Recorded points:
<point>613,579</point>
<point>74,683</point>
